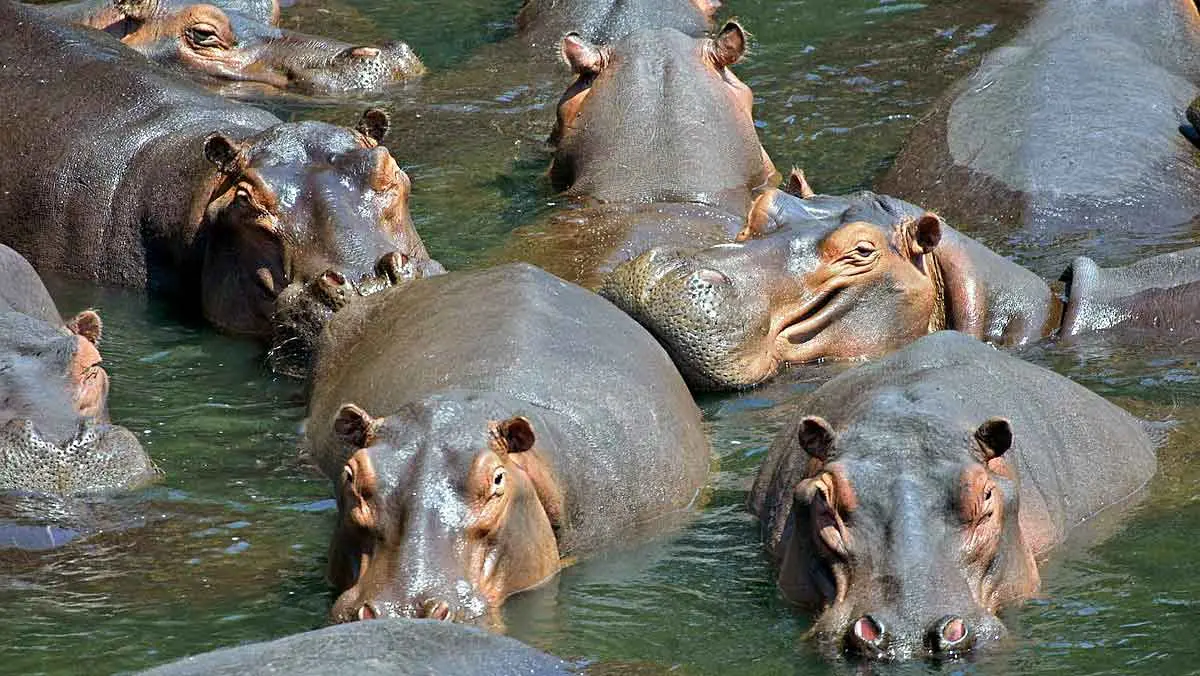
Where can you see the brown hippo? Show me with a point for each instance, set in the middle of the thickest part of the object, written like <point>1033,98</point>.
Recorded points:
<point>911,499</point>
<point>479,428</point>
<point>655,145</point>
<point>55,437</point>
<point>541,23</point>
<point>1039,145</point>
<point>149,182</point>
<point>221,44</point>
<point>842,277</point>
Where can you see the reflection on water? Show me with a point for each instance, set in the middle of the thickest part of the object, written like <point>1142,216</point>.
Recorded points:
<point>230,548</point>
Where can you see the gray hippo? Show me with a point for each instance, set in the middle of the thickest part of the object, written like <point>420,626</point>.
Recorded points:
<point>1041,138</point>
<point>654,145</point>
<point>481,429</point>
<point>542,23</point>
<point>393,647</point>
<point>842,277</point>
<point>55,437</point>
<point>911,498</point>
<point>235,41</point>
<point>152,183</point>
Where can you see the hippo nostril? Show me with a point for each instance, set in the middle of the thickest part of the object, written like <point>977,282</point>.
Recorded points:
<point>366,612</point>
<point>391,266</point>
<point>868,637</point>
<point>949,634</point>
<point>868,629</point>
<point>333,278</point>
<point>436,610</point>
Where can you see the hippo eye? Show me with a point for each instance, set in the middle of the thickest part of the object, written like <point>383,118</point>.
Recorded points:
<point>498,481</point>
<point>203,35</point>
<point>864,248</point>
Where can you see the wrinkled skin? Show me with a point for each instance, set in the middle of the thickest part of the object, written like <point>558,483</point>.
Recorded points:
<point>384,648</point>
<point>219,43</point>
<point>1041,139</point>
<point>154,183</point>
<point>655,145</point>
<point>474,442</point>
<point>909,501</point>
<point>55,437</point>
<point>541,23</point>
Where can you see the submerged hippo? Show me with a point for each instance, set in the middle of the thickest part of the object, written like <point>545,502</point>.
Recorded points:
<point>386,648</point>
<point>909,502</point>
<point>1041,138</point>
<point>481,427</point>
<point>221,43</point>
<point>55,437</point>
<point>840,277</point>
<point>655,145</point>
<point>148,182</point>
<point>544,22</point>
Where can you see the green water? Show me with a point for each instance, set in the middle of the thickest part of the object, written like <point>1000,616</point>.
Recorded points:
<point>230,547</point>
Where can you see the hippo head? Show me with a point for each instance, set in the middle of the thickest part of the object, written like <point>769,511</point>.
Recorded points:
<point>438,518</point>
<point>659,117</point>
<point>226,45</point>
<point>905,563</point>
<point>293,203</point>
<point>835,286</point>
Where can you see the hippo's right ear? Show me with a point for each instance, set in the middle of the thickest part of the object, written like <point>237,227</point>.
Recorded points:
<point>797,184</point>
<point>514,435</point>
<point>134,9</point>
<point>583,57</point>
<point>374,124</point>
<point>925,233</point>
<point>88,325</point>
<point>816,437</point>
<point>729,46</point>
<point>995,437</point>
<point>224,152</point>
<point>354,426</point>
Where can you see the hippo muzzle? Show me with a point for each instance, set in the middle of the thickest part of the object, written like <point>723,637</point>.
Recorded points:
<point>99,458</point>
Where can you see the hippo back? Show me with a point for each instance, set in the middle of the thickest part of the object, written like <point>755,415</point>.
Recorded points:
<point>624,420</point>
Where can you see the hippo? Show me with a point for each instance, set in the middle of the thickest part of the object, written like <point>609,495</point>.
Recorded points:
<point>55,435</point>
<point>219,44</point>
<point>844,277</point>
<point>479,434</point>
<point>655,144</point>
<point>152,183</point>
<point>1038,145</point>
<point>544,22</point>
<point>394,647</point>
<point>912,497</point>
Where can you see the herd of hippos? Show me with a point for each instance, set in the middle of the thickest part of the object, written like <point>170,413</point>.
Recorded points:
<point>482,427</point>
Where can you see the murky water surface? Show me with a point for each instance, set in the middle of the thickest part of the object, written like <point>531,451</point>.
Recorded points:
<point>230,548</point>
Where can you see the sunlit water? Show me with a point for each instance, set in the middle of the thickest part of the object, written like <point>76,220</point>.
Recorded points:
<point>230,547</point>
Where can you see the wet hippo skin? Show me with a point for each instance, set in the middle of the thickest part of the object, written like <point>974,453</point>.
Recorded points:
<point>542,23</point>
<point>144,181</point>
<point>480,427</point>
<point>236,42</point>
<point>655,145</point>
<point>387,647</point>
<point>1042,140</point>
<point>909,500</point>
<point>55,436</point>
<point>860,275</point>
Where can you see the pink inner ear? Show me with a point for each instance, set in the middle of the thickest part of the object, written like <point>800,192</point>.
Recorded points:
<point>582,56</point>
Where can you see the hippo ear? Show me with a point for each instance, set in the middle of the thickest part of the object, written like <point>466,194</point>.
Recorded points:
<point>514,435</point>
<point>729,46</point>
<point>134,9</point>
<point>583,57</point>
<point>815,437</point>
<point>354,426</point>
<point>88,325</point>
<point>374,124</point>
<point>224,152</point>
<point>797,184</point>
<point>925,233</point>
<point>995,436</point>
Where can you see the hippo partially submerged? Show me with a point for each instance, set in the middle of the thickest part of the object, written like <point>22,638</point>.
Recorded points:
<point>910,499</point>
<point>480,427</point>
<point>149,182</point>
<point>541,23</point>
<point>840,277</point>
<point>655,145</point>
<point>236,41</point>
<point>1041,138</point>
<point>55,437</point>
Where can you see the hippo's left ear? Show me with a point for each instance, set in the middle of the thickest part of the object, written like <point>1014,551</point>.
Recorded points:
<point>925,233</point>
<point>729,46</point>
<point>816,437</point>
<point>354,426</point>
<point>374,124</point>
<point>583,57</point>
<point>514,435</point>
<point>995,437</point>
<point>88,325</point>
<point>224,152</point>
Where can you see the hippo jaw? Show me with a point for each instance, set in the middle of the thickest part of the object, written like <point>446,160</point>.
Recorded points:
<point>446,534</point>
<point>906,561</point>
<point>99,458</point>
<point>293,203</point>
